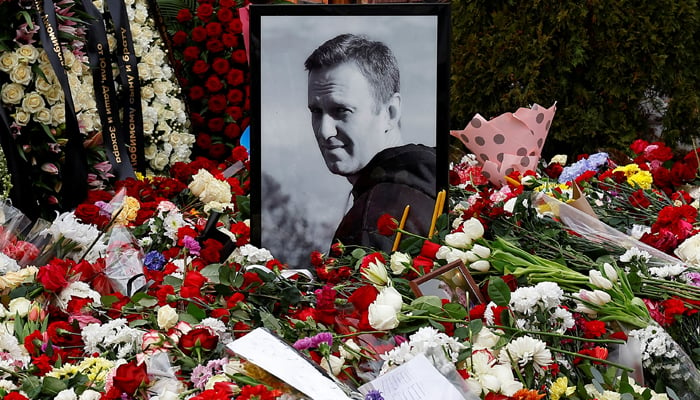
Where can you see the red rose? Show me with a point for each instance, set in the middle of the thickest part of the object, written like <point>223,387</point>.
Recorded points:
<point>429,249</point>
<point>234,112</point>
<point>216,124</point>
<point>234,96</point>
<point>387,225</point>
<point>184,15</point>
<point>217,103</point>
<point>214,29</point>
<point>191,53</point>
<point>205,11</point>
<point>235,77</point>
<point>53,275</point>
<point>196,93</point>
<point>235,26</point>
<point>129,377</point>
<point>199,34</point>
<point>372,258</point>
<point>230,40</point>
<point>200,338</point>
<point>214,84</point>
<point>200,67</point>
<point>638,146</point>
<point>363,296</point>
<point>215,46</point>
<point>239,57</point>
<point>179,38</point>
<point>224,14</point>
<point>232,131</point>
<point>227,3</point>
<point>204,141</point>
<point>192,285</point>
<point>220,66</point>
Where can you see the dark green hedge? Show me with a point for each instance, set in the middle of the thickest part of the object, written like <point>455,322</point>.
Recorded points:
<point>599,59</point>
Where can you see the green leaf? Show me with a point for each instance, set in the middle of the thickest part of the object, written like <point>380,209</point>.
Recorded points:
<point>212,272</point>
<point>461,333</point>
<point>243,203</point>
<point>31,386</point>
<point>270,322</point>
<point>455,310</point>
<point>144,300</point>
<point>108,300</point>
<point>475,327</point>
<point>431,304</point>
<point>196,312</point>
<point>358,253</point>
<point>52,386</point>
<point>498,291</point>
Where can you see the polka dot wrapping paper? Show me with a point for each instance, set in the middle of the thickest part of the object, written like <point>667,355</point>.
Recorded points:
<point>510,142</point>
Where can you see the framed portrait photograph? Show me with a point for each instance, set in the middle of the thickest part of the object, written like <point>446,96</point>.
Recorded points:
<point>350,122</point>
<point>451,282</point>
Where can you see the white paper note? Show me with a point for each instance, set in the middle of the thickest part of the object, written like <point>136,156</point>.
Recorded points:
<point>416,380</point>
<point>281,360</point>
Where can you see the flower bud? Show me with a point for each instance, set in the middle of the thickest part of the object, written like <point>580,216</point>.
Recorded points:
<point>473,228</point>
<point>481,251</point>
<point>597,297</point>
<point>610,272</point>
<point>398,262</point>
<point>458,240</point>
<point>376,273</point>
<point>597,279</point>
<point>480,265</point>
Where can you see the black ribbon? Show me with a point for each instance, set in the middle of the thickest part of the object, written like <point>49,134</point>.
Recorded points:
<point>74,173</point>
<point>99,55</point>
<point>21,192</point>
<point>132,118</point>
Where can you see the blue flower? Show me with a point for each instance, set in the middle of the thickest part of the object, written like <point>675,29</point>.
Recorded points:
<point>592,163</point>
<point>374,395</point>
<point>154,261</point>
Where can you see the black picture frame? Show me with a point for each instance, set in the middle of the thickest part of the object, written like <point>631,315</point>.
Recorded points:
<point>294,198</point>
<point>458,279</point>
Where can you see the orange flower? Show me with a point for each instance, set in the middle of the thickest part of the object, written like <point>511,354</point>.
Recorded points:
<point>527,394</point>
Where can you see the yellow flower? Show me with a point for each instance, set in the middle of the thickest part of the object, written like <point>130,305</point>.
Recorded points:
<point>560,388</point>
<point>129,211</point>
<point>96,368</point>
<point>66,371</point>
<point>643,179</point>
<point>629,169</point>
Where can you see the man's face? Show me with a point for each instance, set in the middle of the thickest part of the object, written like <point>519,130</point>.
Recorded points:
<point>348,127</point>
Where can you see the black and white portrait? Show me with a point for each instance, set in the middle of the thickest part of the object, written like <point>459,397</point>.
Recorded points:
<point>347,126</point>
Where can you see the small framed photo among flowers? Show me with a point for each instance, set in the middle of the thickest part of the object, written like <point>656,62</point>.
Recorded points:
<point>350,122</point>
<point>451,282</point>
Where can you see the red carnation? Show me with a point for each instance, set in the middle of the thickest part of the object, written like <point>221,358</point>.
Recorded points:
<point>639,199</point>
<point>129,377</point>
<point>15,396</point>
<point>205,11</point>
<point>220,66</point>
<point>199,34</point>
<point>184,15</point>
<point>192,284</point>
<point>214,84</point>
<point>217,103</point>
<point>53,275</point>
<point>593,329</point>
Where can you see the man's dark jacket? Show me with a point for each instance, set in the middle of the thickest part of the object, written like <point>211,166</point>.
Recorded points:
<point>395,177</point>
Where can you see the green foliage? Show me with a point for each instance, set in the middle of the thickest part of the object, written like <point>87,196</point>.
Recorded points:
<point>600,60</point>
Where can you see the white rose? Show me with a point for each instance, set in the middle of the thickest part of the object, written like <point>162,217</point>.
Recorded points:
<point>22,117</point>
<point>332,364</point>
<point>350,350</point>
<point>90,394</point>
<point>12,93</point>
<point>19,306</point>
<point>42,85</point>
<point>150,151</point>
<point>459,240</point>
<point>67,394</point>
<point>8,61</point>
<point>689,250</point>
<point>558,159</point>
<point>382,312</point>
<point>147,92</point>
<point>43,116</point>
<point>399,262</point>
<point>27,53</point>
<point>167,317</point>
<point>159,162</point>
<point>21,74</point>
<point>54,94</point>
<point>58,114</point>
<point>148,127</point>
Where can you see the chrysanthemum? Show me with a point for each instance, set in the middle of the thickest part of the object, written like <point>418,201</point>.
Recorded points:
<point>524,350</point>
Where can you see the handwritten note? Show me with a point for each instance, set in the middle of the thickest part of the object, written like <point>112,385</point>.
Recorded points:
<point>416,380</point>
<point>281,360</point>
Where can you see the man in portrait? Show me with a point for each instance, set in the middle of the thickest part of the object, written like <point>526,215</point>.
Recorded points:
<point>355,104</point>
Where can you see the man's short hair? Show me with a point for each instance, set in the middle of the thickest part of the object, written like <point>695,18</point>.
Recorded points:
<point>376,61</point>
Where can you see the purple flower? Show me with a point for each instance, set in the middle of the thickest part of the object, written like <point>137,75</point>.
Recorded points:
<point>374,395</point>
<point>154,261</point>
<point>303,343</point>
<point>693,278</point>
<point>592,163</point>
<point>323,337</point>
<point>200,376</point>
<point>192,245</point>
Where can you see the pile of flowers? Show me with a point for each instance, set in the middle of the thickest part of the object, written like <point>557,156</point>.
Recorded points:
<point>137,293</point>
